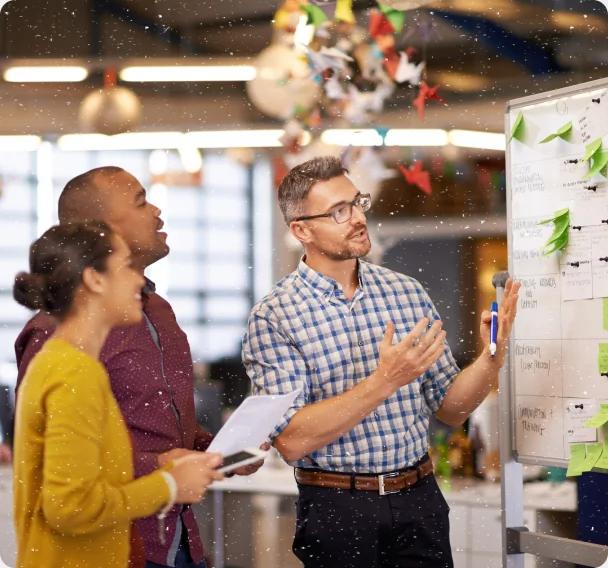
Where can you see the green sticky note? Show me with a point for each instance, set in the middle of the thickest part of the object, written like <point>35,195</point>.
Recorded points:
<point>602,463</point>
<point>605,315</point>
<point>394,16</point>
<point>577,459</point>
<point>594,451</point>
<point>602,359</point>
<point>519,126</point>
<point>599,419</point>
<point>314,15</point>
<point>563,132</point>
<point>559,238</point>
<point>591,149</point>
<point>600,161</point>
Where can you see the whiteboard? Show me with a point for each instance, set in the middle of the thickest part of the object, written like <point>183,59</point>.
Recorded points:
<point>562,322</point>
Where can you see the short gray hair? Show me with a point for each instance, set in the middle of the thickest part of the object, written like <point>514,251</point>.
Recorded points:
<point>299,181</point>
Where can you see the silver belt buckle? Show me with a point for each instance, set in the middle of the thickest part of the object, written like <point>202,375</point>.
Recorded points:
<point>381,478</point>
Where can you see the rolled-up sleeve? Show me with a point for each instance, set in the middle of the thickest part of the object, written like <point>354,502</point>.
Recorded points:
<point>438,378</point>
<point>275,365</point>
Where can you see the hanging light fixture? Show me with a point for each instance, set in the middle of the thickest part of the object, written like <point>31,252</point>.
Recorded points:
<point>110,110</point>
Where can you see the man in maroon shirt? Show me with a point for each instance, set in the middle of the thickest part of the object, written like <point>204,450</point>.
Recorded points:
<point>149,364</point>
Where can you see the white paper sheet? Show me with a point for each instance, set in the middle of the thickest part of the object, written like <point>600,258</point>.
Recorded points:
<point>581,375</point>
<point>529,238</point>
<point>575,266</point>
<point>252,422</point>
<point>577,412</point>
<point>537,366</point>
<point>599,256</point>
<point>538,308</point>
<point>593,121</point>
<point>539,423</point>
<point>583,320</point>
<point>590,211</point>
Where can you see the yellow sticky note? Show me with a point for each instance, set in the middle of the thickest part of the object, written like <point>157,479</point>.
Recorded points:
<point>602,463</point>
<point>594,451</point>
<point>599,419</point>
<point>577,459</point>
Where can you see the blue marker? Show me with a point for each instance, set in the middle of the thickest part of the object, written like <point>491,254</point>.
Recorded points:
<point>493,329</point>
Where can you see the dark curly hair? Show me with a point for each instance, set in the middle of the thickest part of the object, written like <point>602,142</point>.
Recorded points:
<point>57,260</point>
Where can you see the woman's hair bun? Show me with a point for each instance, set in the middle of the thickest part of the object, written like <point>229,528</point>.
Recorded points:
<point>30,290</point>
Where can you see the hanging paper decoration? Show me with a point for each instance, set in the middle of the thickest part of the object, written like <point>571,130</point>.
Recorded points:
<point>328,7</point>
<point>425,94</point>
<point>336,71</point>
<point>407,71</point>
<point>394,16</point>
<point>559,238</point>
<point>314,15</point>
<point>379,25</point>
<point>405,4</point>
<point>597,158</point>
<point>282,85</point>
<point>418,176</point>
<point>564,132</point>
<point>344,11</point>
<point>517,131</point>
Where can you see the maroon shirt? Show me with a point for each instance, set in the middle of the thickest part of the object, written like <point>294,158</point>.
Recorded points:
<point>154,389</point>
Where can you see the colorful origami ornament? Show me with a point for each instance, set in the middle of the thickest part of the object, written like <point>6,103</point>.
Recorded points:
<point>379,25</point>
<point>425,94</point>
<point>407,71</point>
<point>344,11</point>
<point>418,176</point>
<point>394,16</point>
<point>328,58</point>
<point>314,15</point>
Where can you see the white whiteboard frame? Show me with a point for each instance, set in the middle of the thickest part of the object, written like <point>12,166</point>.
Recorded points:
<point>512,105</point>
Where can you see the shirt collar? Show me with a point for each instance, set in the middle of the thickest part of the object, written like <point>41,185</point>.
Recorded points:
<point>325,285</point>
<point>149,287</point>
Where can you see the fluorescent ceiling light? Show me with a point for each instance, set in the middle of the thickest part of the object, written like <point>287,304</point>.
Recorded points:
<point>23,143</point>
<point>191,158</point>
<point>174,140</point>
<point>352,137</point>
<point>157,73</point>
<point>416,137</point>
<point>46,74</point>
<point>127,141</point>
<point>476,139</point>
<point>235,138</point>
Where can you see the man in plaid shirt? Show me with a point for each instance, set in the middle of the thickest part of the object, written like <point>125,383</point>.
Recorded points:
<point>366,347</point>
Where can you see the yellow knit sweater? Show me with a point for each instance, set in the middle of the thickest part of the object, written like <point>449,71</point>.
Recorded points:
<point>74,493</point>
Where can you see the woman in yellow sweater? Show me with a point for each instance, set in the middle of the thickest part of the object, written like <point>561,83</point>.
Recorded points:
<point>74,492</point>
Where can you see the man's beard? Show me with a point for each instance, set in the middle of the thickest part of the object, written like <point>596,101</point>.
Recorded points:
<point>347,250</point>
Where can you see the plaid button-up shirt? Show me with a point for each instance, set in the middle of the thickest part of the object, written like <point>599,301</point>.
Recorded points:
<point>306,335</point>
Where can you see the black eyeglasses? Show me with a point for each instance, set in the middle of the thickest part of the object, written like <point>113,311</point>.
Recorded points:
<point>344,211</point>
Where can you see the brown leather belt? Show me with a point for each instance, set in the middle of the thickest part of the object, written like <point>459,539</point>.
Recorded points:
<point>384,484</point>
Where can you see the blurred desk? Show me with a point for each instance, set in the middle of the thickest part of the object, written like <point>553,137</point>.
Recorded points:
<point>475,516</point>
<point>8,549</point>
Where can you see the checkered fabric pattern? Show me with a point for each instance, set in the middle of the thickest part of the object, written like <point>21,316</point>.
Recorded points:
<point>306,335</point>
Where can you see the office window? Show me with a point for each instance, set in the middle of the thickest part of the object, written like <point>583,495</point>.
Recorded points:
<point>210,274</point>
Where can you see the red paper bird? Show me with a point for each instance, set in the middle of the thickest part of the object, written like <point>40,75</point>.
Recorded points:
<point>416,175</point>
<point>425,93</point>
<point>379,24</point>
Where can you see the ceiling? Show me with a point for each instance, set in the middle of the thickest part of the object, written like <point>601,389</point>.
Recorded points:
<point>481,52</point>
